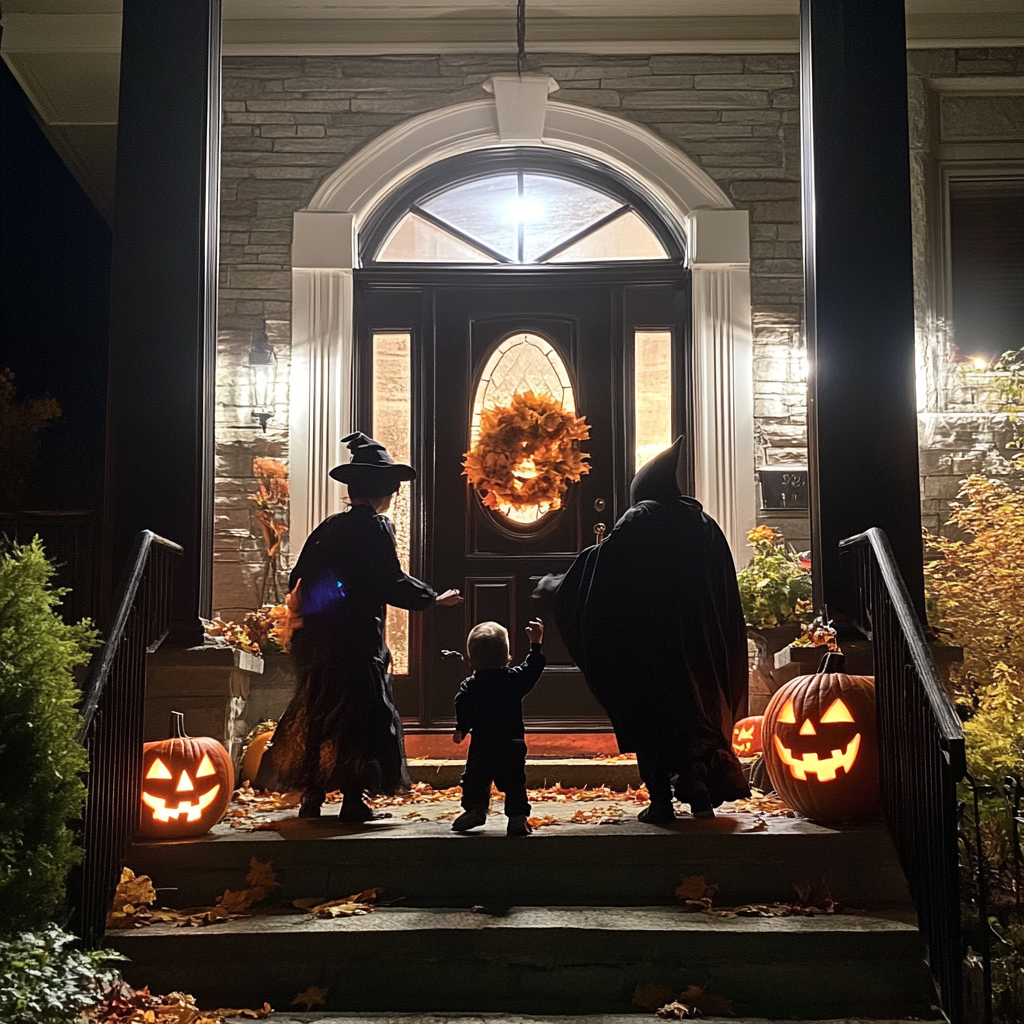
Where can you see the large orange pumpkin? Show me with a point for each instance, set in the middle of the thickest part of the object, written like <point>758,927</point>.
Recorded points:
<point>186,784</point>
<point>252,756</point>
<point>746,736</point>
<point>821,744</point>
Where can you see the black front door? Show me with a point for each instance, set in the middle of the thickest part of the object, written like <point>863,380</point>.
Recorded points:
<point>472,344</point>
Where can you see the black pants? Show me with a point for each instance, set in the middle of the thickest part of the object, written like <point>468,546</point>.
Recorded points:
<point>500,760</point>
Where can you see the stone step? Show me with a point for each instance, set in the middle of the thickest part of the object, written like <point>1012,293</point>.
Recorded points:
<point>513,1018</point>
<point>554,960</point>
<point>443,773</point>
<point>425,864</point>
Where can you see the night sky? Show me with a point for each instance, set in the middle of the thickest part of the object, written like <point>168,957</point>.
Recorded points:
<point>54,293</point>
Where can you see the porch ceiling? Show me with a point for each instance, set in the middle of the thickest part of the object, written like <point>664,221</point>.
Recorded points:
<point>65,53</point>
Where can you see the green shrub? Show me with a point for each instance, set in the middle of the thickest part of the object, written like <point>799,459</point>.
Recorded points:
<point>44,981</point>
<point>775,587</point>
<point>40,762</point>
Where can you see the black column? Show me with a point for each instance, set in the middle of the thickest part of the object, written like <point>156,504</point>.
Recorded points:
<point>858,274</point>
<point>164,293</point>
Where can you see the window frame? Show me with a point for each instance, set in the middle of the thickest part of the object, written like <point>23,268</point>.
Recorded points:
<point>446,174</point>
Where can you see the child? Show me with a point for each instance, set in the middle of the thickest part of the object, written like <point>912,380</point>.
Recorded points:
<point>489,704</point>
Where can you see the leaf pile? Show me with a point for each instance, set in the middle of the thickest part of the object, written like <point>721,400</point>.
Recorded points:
<point>812,900</point>
<point>132,906</point>
<point>121,1004</point>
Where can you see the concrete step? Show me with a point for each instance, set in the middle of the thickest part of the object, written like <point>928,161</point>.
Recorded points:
<point>553,960</point>
<point>442,773</point>
<point>512,1018</point>
<point>425,864</point>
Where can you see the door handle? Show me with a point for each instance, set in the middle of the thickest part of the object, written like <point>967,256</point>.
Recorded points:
<point>599,532</point>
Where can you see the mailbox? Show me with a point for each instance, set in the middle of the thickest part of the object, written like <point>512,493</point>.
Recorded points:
<point>783,487</point>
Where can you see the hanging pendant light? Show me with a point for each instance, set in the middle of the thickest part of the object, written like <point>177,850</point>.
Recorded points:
<point>262,377</point>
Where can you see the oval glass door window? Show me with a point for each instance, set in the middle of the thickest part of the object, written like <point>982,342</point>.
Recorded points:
<point>522,362</point>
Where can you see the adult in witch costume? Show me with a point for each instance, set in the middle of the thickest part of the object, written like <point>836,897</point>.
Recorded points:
<point>341,730</point>
<point>652,617</point>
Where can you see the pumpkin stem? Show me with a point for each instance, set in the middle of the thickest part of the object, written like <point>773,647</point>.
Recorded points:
<point>177,726</point>
<point>834,661</point>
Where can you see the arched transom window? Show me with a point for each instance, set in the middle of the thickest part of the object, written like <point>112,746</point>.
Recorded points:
<point>522,213</point>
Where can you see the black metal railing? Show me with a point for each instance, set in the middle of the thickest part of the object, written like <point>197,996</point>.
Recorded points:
<point>921,760</point>
<point>112,706</point>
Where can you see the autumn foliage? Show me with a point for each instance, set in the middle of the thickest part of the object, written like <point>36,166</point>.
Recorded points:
<point>527,453</point>
<point>976,600</point>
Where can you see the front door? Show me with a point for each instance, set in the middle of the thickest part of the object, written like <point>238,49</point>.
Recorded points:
<point>615,352</point>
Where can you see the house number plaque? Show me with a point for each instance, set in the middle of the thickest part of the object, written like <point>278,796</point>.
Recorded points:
<point>783,488</point>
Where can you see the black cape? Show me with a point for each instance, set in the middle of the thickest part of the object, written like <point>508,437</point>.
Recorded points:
<point>341,729</point>
<point>652,617</point>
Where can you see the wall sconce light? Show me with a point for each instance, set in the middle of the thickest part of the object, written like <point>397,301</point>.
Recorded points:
<point>262,377</point>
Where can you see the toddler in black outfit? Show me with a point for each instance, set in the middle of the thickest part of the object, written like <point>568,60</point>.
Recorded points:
<point>489,705</point>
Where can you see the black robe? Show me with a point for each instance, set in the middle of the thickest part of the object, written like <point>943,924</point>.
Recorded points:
<point>652,617</point>
<point>341,729</point>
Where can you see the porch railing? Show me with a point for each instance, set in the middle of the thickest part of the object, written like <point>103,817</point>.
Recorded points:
<point>921,760</point>
<point>113,705</point>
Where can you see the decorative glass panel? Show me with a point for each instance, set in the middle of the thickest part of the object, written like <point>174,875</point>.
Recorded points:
<point>652,394</point>
<point>416,240</point>
<point>522,362</point>
<point>625,238</point>
<point>486,210</point>
<point>392,426</point>
<point>556,209</point>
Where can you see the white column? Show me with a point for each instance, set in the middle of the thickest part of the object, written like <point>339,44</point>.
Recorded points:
<point>723,371</point>
<point>320,407</point>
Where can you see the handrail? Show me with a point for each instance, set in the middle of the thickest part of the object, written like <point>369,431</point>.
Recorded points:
<point>113,711</point>
<point>921,757</point>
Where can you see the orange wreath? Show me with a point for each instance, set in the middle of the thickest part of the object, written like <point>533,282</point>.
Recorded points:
<point>527,453</point>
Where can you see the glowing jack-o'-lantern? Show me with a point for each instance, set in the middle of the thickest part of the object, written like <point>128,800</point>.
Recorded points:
<point>746,736</point>
<point>186,784</point>
<point>821,746</point>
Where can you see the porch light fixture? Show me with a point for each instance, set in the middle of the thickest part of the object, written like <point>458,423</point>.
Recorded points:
<point>262,377</point>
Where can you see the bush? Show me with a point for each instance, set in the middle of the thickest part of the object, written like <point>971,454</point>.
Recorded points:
<point>44,981</point>
<point>40,762</point>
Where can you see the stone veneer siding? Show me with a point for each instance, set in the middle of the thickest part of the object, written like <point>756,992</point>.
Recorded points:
<point>290,121</point>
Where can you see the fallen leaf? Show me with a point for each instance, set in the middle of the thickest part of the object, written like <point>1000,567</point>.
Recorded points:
<point>695,888</point>
<point>708,1003</point>
<point>651,997</point>
<point>313,996</point>
<point>678,1011</point>
<point>544,822</point>
<point>246,1014</point>
<point>351,906</point>
<point>261,876</point>
<point>132,898</point>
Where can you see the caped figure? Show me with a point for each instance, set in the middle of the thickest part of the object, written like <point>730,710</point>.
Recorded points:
<point>489,707</point>
<point>652,617</point>
<point>341,730</point>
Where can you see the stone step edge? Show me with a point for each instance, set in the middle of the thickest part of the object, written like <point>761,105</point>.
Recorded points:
<point>405,1017</point>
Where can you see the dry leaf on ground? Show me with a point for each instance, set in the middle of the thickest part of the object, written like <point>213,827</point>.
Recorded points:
<point>132,898</point>
<point>121,1004</point>
<point>678,1011</point>
<point>651,997</point>
<point>351,906</point>
<point>542,822</point>
<point>313,996</point>
<point>696,891</point>
<point>708,1003</point>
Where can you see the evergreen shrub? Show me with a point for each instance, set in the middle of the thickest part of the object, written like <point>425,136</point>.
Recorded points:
<point>41,789</point>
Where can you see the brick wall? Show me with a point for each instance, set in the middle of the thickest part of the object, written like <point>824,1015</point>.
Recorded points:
<point>288,122</point>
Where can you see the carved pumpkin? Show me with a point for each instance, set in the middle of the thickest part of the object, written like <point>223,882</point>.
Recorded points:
<point>821,744</point>
<point>746,736</point>
<point>186,784</point>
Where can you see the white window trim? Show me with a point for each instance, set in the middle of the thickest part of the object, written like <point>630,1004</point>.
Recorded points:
<point>324,254</point>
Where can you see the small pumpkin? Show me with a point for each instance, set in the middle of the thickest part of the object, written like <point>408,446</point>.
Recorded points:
<point>821,744</point>
<point>253,751</point>
<point>746,736</point>
<point>186,784</point>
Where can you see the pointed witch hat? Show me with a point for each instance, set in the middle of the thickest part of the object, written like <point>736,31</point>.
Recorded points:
<point>370,461</point>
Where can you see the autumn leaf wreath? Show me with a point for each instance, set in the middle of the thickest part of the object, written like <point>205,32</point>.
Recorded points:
<point>527,453</point>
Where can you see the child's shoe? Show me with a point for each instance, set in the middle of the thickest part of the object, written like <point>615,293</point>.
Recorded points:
<point>518,826</point>
<point>469,819</point>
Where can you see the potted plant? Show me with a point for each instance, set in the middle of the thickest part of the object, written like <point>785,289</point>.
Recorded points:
<point>775,590</point>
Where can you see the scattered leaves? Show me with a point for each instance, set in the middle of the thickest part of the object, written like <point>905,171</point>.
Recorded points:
<point>696,892</point>
<point>544,822</point>
<point>313,996</point>
<point>678,1011</point>
<point>132,899</point>
<point>351,906</point>
<point>121,1004</point>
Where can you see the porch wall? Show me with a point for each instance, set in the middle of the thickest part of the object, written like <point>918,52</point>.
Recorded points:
<point>290,121</point>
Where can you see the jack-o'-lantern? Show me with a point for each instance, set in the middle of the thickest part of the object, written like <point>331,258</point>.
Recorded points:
<point>821,745</point>
<point>186,784</point>
<point>746,736</point>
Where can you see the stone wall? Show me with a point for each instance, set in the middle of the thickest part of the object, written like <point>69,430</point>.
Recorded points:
<point>290,121</point>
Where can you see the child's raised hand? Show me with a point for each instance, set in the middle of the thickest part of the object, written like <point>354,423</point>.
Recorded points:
<point>457,737</point>
<point>535,631</point>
